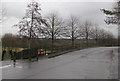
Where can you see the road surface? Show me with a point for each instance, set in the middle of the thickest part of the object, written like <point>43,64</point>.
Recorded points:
<point>91,63</point>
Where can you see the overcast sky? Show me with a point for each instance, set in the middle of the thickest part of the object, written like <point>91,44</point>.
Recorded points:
<point>83,9</point>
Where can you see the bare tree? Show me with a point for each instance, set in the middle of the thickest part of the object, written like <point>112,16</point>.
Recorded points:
<point>98,33</point>
<point>105,36</point>
<point>31,22</point>
<point>86,29</point>
<point>95,32</point>
<point>54,28</point>
<point>72,29</point>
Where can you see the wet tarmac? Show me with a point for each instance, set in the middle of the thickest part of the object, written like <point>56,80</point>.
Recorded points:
<point>91,63</point>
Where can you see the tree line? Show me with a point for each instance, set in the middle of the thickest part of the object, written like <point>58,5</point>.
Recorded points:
<point>35,29</point>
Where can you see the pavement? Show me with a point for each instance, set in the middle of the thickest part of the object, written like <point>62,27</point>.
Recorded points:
<point>91,63</point>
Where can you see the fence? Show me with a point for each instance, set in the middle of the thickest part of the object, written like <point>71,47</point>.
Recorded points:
<point>33,52</point>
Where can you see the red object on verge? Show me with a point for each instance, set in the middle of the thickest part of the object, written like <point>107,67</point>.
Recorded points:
<point>41,52</point>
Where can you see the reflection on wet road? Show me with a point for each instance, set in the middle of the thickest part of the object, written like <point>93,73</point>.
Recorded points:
<point>92,63</point>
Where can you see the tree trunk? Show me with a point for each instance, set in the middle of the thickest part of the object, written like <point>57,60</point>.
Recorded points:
<point>29,46</point>
<point>87,39</point>
<point>72,42</point>
<point>53,23</point>
<point>29,40</point>
<point>52,44</point>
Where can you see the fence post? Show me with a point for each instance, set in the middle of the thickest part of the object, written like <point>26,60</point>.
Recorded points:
<point>37,55</point>
<point>3,54</point>
<point>14,57</point>
<point>29,55</point>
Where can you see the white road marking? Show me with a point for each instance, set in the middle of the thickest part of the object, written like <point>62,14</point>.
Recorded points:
<point>18,66</point>
<point>5,66</point>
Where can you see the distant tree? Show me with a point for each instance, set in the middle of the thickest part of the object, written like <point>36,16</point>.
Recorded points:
<point>55,27</point>
<point>95,32</point>
<point>86,30</point>
<point>8,40</point>
<point>31,22</point>
<point>72,29</point>
<point>113,15</point>
<point>98,34</point>
<point>106,37</point>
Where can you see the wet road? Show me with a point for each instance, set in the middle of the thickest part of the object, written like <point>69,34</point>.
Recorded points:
<point>91,63</point>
